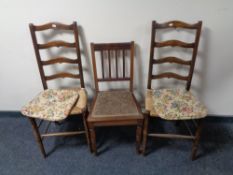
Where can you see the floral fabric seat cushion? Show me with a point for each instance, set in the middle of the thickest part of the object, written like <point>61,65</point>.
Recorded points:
<point>81,104</point>
<point>174,104</point>
<point>51,104</point>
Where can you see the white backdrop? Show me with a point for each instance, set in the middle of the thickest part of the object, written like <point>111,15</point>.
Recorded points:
<point>117,21</point>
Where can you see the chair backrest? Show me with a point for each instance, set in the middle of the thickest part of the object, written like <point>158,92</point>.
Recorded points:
<point>113,59</point>
<point>155,45</point>
<point>61,44</point>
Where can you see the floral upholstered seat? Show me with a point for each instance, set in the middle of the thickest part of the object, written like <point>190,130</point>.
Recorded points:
<point>174,104</point>
<point>51,104</point>
<point>81,104</point>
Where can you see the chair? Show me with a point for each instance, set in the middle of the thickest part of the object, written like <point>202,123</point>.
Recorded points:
<point>77,95</point>
<point>173,104</point>
<point>114,107</point>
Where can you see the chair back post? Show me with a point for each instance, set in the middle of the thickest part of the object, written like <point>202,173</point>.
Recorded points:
<point>94,67</point>
<point>76,34</point>
<point>37,53</point>
<point>131,65</point>
<point>197,39</point>
<point>150,71</point>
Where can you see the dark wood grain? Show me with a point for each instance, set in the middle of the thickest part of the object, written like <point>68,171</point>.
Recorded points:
<point>116,63</point>
<point>155,46</point>
<point>114,79</point>
<point>178,24</point>
<point>111,48</point>
<point>35,30</point>
<point>169,75</point>
<point>183,63</point>
<point>174,43</point>
<point>123,59</point>
<point>58,60</point>
<point>52,25</point>
<point>109,64</point>
<point>56,44</point>
<point>62,75</point>
<point>171,60</point>
<point>102,62</point>
<point>117,119</point>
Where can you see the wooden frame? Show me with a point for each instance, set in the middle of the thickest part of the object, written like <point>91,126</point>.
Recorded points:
<point>121,120</point>
<point>113,47</point>
<point>44,78</point>
<point>173,43</point>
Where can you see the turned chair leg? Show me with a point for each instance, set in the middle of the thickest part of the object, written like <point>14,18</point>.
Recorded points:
<point>92,138</point>
<point>197,139</point>
<point>139,136</point>
<point>85,114</point>
<point>145,134</point>
<point>37,136</point>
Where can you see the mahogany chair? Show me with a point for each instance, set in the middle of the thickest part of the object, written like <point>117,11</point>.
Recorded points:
<point>114,107</point>
<point>174,104</point>
<point>79,108</point>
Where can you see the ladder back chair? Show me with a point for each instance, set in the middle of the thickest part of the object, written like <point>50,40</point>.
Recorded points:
<point>69,105</point>
<point>177,104</point>
<point>114,107</point>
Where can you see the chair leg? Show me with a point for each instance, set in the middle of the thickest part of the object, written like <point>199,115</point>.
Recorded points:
<point>197,139</point>
<point>139,136</point>
<point>92,138</point>
<point>85,114</point>
<point>145,134</point>
<point>37,136</point>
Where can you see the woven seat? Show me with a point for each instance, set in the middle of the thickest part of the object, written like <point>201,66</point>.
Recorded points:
<point>174,104</point>
<point>114,104</point>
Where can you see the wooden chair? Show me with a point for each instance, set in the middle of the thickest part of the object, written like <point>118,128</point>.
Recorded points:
<point>114,107</point>
<point>80,106</point>
<point>173,104</point>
